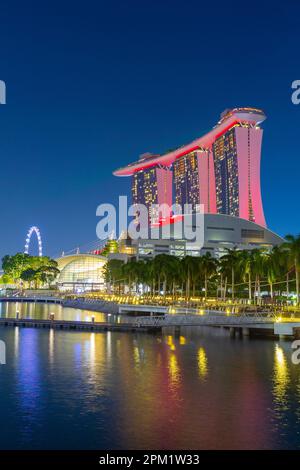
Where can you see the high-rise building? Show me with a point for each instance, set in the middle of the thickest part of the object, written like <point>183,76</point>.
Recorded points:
<point>186,180</point>
<point>194,183</point>
<point>152,186</point>
<point>220,170</point>
<point>237,172</point>
<point>226,174</point>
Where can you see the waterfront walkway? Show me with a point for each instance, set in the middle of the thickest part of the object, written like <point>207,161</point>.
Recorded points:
<point>94,305</point>
<point>236,324</point>
<point>39,299</point>
<point>77,325</point>
<point>153,318</point>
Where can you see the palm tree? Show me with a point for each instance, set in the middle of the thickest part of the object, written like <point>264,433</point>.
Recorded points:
<point>258,269</point>
<point>246,266</point>
<point>194,269</point>
<point>225,272</point>
<point>128,273</point>
<point>163,266</point>
<point>250,265</point>
<point>270,267</point>
<point>188,265</point>
<point>113,271</point>
<point>230,261</point>
<point>148,275</point>
<point>280,259</point>
<point>293,247</point>
<point>138,273</point>
<point>174,275</point>
<point>152,274</point>
<point>209,268</point>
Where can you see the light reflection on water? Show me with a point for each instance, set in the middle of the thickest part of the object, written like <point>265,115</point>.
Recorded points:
<point>281,376</point>
<point>42,311</point>
<point>63,389</point>
<point>202,362</point>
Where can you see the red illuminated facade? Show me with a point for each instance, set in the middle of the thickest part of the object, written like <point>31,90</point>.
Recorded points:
<point>220,170</point>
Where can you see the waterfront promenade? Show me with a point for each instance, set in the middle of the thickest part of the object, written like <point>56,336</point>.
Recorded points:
<point>77,325</point>
<point>156,318</point>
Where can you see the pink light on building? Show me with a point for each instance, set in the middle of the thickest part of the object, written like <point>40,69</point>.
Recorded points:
<point>248,142</point>
<point>227,176</point>
<point>164,185</point>
<point>252,116</point>
<point>207,185</point>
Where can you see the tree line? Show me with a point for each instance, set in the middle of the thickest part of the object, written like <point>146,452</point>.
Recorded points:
<point>237,274</point>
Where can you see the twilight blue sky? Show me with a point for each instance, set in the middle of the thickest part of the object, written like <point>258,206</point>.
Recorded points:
<point>91,85</point>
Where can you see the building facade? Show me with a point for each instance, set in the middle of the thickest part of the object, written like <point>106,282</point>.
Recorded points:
<point>226,174</point>
<point>152,186</point>
<point>220,170</point>
<point>186,180</point>
<point>220,233</point>
<point>237,172</point>
<point>81,272</point>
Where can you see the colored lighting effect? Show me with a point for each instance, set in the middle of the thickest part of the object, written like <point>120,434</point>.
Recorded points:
<point>174,371</point>
<point>202,363</point>
<point>220,170</point>
<point>281,375</point>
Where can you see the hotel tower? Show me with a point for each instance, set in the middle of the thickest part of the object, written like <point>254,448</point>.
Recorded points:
<point>220,170</point>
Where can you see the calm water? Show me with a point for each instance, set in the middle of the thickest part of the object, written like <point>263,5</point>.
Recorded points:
<point>66,390</point>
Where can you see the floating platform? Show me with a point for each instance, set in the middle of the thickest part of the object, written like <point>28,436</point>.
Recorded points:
<point>52,300</point>
<point>78,325</point>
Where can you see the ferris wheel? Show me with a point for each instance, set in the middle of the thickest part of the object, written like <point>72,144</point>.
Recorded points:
<point>35,230</point>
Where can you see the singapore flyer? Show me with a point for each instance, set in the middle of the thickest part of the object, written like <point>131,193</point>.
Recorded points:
<point>32,230</point>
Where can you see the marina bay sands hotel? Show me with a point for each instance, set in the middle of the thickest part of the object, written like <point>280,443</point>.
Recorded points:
<point>220,170</point>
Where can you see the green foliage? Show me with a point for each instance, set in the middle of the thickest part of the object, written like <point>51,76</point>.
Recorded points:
<point>113,270</point>
<point>5,279</point>
<point>13,266</point>
<point>292,247</point>
<point>238,272</point>
<point>39,270</point>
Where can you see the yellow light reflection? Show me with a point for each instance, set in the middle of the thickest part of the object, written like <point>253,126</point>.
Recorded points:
<point>281,374</point>
<point>93,348</point>
<point>108,345</point>
<point>182,340</point>
<point>170,343</point>
<point>16,341</point>
<point>174,370</point>
<point>202,363</point>
<point>51,345</point>
<point>136,355</point>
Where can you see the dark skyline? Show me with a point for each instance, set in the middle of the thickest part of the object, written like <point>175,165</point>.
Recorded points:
<point>91,86</point>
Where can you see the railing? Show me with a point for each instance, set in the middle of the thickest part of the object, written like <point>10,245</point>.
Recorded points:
<point>33,298</point>
<point>197,320</point>
<point>178,310</point>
